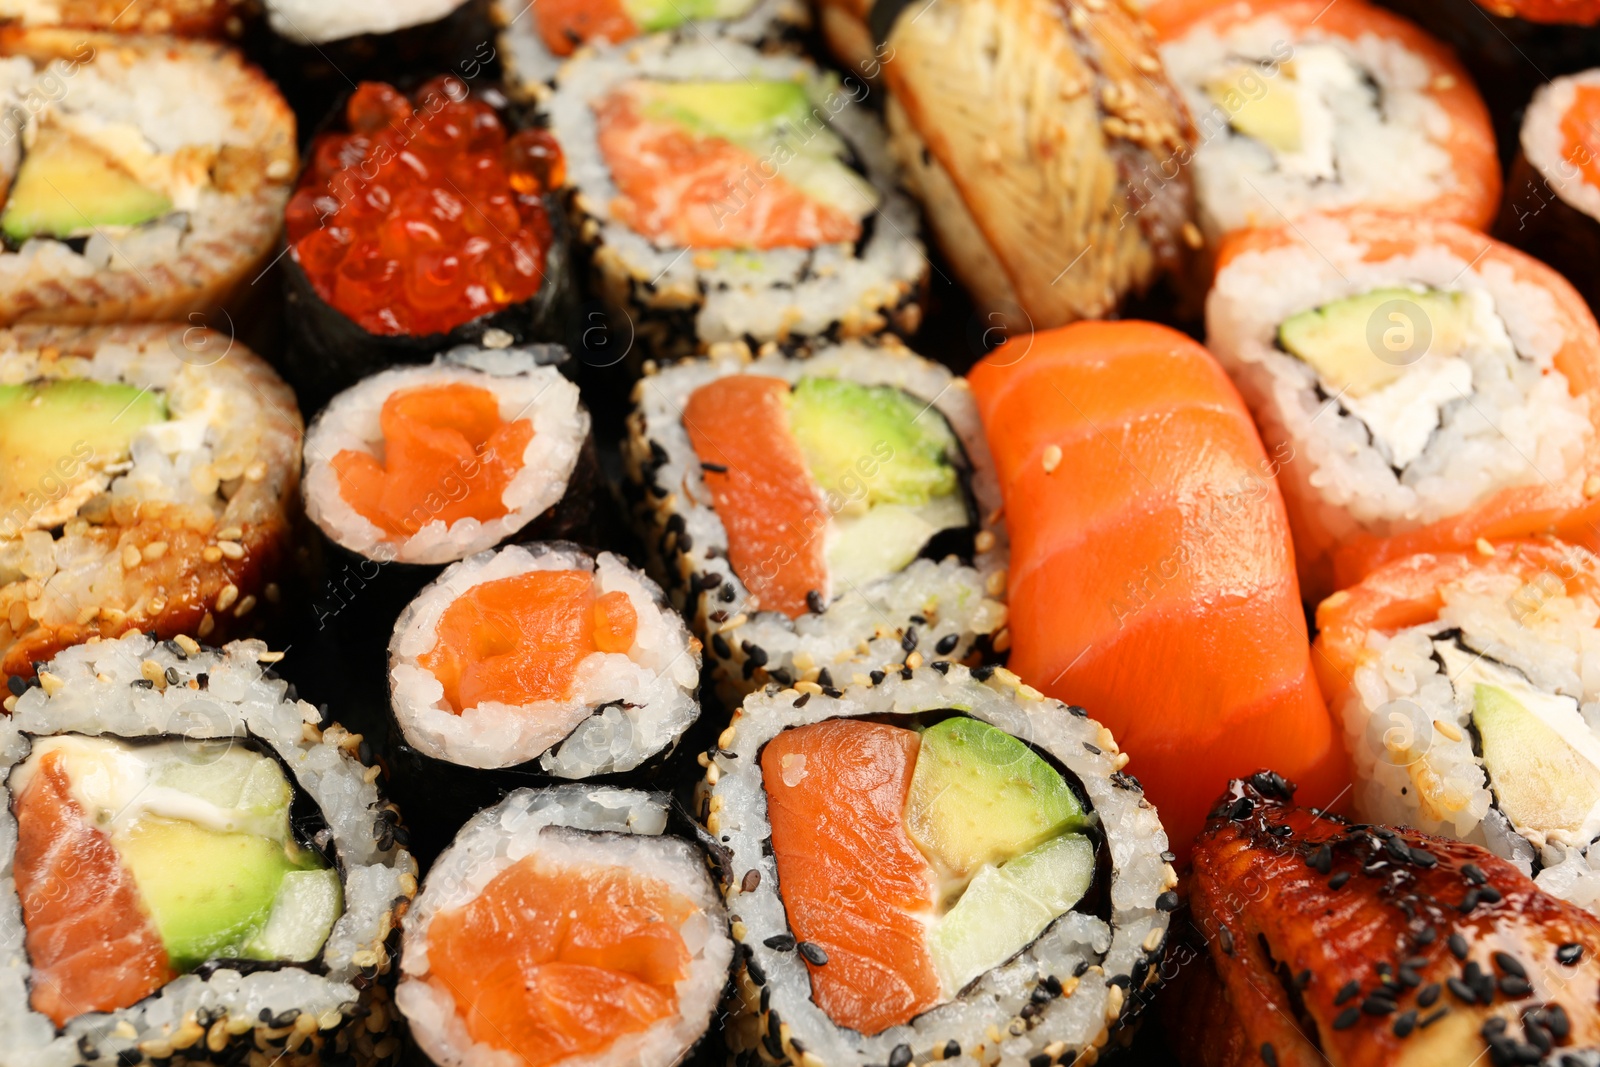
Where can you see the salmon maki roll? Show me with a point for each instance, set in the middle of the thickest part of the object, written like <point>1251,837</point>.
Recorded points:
<point>565,926</point>
<point>723,195</point>
<point>924,861</point>
<point>1466,686</point>
<point>1152,577</point>
<point>1357,945</point>
<point>143,178</point>
<point>822,518</point>
<point>1424,386</point>
<point>1302,108</point>
<point>199,865</point>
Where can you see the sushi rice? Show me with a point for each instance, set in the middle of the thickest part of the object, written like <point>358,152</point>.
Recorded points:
<point>581,827</point>
<point>624,708</point>
<point>1078,976</point>
<point>313,22</point>
<point>338,1005</point>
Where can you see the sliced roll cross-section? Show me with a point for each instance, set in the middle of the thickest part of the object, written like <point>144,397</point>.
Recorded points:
<point>191,847</point>
<point>918,864</point>
<point>1426,385</point>
<point>800,507</point>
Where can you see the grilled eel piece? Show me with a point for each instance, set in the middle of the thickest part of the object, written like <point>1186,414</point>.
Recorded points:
<point>1352,945</point>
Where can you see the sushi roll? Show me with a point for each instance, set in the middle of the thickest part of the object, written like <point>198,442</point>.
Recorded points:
<point>1046,143</point>
<point>150,483</point>
<point>565,926</point>
<point>420,225</point>
<point>198,867</point>
<point>1552,204</point>
<point>1328,942</point>
<point>183,18</point>
<point>144,178</point>
<point>539,661</point>
<point>1423,385</point>
<point>1467,684</point>
<point>816,518</point>
<point>537,36</point>
<point>1153,577</point>
<point>1302,107</point>
<point>939,866</point>
<point>782,222</point>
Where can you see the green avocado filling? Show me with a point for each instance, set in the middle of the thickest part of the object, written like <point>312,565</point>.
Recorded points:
<point>1541,782</point>
<point>1004,833</point>
<point>653,15</point>
<point>1361,344</point>
<point>885,462</point>
<point>67,187</point>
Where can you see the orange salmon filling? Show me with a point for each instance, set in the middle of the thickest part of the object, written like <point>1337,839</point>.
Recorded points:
<point>448,456</point>
<point>696,190</point>
<point>565,24</point>
<point>92,945</point>
<point>765,497</point>
<point>853,880</point>
<point>519,639</point>
<point>550,962</point>
<point>1580,133</point>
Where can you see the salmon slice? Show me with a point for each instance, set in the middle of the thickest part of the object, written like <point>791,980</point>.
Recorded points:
<point>761,488</point>
<point>447,456</point>
<point>565,24</point>
<point>92,944</point>
<point>1152,579</point>
<point>853,881</point>
<point>550,961</point>
<point>1580,132</point>
<point>698,191</point>
<point>1344,945</point>
<point>518,639</point>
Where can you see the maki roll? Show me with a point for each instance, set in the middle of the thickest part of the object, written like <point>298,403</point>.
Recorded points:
<point>1347,944</point>
<point>565,926</point>
<point>1044,140</point>
<point>536,36</point>
<point>1301,107</point>
<point>1153,577</point>
<point>533,661</point>
<point>184,18</point>
<point>1467,684</point>
<point>933,867</point>
<point>421,226</point>
<point>817,518</point>
<point>144,177</point>
<point>1424,385</point>
<point>150,481</point>
<point>723,195</point>
<point>1552,204</point>
<point>198,867</point>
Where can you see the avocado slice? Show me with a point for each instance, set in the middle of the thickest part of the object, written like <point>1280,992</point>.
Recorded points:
<point>979,795</point>
<point>1006,907</point>
<point>1544,785</point>
<point>864,548</point>
<point>55,435</point>
<point>737,111</point>
<point>1265,107</point>
<point>872,444</point>
<point>653,15</point>
<point>67,187</point>
<point>307,905</point>
<point>1355,345</point>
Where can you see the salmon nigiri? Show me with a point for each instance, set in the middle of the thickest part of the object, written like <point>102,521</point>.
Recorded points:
<point>1152,579</point>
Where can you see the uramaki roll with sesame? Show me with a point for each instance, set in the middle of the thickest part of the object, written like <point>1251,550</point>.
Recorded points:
<point>150,483</point>
<point>937,865</point>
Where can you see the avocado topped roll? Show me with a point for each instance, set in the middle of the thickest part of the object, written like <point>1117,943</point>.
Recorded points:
<point>536,36</point>
<point>725,196</point>
<point>197,863</point>
<point>942,865</point>
<point>149,482</point>
<point>822,517</point>
<point>144,179</point>
<point>1420,385</point>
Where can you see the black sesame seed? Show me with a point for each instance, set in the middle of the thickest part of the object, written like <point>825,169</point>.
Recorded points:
<point>941,665</point>
<point>984,672</point>
<point>1458,946</point>
<point>814,602</point>
<point>832,693</point>
<point>1346,1019</point>
<point>1432,1017</point>
<point>800,702</point>
<point>876,677</point>
<point>781,676</point>
<point>1240,809</point>
<point>16,685</point>
<point>1167,901</point>
<point>1428,995</point>
<point>1346,991</point>
<point>1514,987</point>
<point>1493,1027</point>
<point>755,653</point>
<point>757,975</point>
<point>813,953</point>
<point>1404,1023</point>
<point>709,580</point>
<point>947,644</point>
<point>1461,990</point>
<point>1556,1021</point>
<point>142,683</point>
<point>1225,936</point>
<point>908,640</point>
<point>1320,859</point>
<point>952,1049</point>
<point>1424,859</point>
<point>1302,979</point>
<point>1490,895</point>
<point>1093,750</point>
<point>1473,873</point>
<point>1082,713</point>
<point>1509,964</point>
<point>727,595</point>
<point>714,468</point>
<point>1378,1003</point>
<point>1569,953</point>
<point>1041,1060</point>
<point>1409,978</point>
<point>1040,994</point>
<point>900,1056</point>
<point>752,879</point>
<point>1339,880</point>
<point>1427,935</point>
<point>920,620</point>
<point>780,942</point>
<point>129,1057</point>
<point>719,645</point>
<point>1081,969</point>
<point>1269,1055</point>
<point>905,673</point>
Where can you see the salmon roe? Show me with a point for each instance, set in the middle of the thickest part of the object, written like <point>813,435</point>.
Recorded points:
<point>427,213</point>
